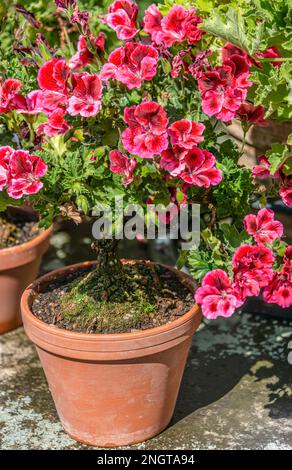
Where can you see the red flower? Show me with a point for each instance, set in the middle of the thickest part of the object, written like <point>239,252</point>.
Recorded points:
<point>86,95</point>
<point>217,296</point>
<point>9,94</point>
<point>146,135</point>
<point>5,155</point>
<point>252,269</point>
<point>200,169</point>
<point>263,227</point>
<point>271,53</point>
<point>56,124</point>
<point>131,64</point>
<point>185,133</point>
<point>177,26</point>
<point>121,17</point>
<point>121,164</point>
<point>53,76</point>
<point>252,114</point>
<point>83,55</point>
<point>25,171</point>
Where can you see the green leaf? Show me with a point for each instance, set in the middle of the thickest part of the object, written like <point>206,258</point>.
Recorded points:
<point>277,156</point>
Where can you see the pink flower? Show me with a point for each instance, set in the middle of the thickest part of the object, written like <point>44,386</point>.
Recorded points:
<point>200,169</point>
<point>9,94</point>
<point>121,17</point>
<point>252,114</point>
<point>271,53</point>
<point>177,26</point>
<point>121,164</point>
<point>131,64</point>
<point>286,185</point>
<point>53,76</point>
<point>25,171</point>
<point>172,162</point>
<point>83,55</point>
<point>185,134</point>
<point>252,269</point>
<point>146,135</point>
<point>224,88</point>
<point>56,124</point>
<point>217,296</point>
<point>279,290</point>
<point>152,22</point>
<point>262,170</point>
<point>86,95</point>
<point>263,227</point>
<point>5,155</point>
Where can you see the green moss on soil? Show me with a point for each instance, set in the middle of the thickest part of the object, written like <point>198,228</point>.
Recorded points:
<point>129,300</point>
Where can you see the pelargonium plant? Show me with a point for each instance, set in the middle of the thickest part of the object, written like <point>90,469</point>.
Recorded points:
<point>147,121</point>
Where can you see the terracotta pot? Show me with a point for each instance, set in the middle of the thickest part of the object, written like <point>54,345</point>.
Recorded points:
<point>111,389</point>
<point>19,266</point>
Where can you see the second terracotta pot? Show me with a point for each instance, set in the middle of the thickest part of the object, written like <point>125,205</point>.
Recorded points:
<point>19,266</point>
<point>112,389</point>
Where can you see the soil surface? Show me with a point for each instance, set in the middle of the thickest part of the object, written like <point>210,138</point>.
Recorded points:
<point>16,229</point>
<point>169,300</point>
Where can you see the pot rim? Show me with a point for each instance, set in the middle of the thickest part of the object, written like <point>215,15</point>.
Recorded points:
<point>31,291</point>
<point>27,245</point>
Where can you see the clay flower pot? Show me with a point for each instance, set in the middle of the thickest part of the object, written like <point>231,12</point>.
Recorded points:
<point>19,266</point>
<point>111,389</point>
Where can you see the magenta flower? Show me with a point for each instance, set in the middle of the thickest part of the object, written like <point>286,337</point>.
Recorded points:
<point>9,94</point>
<point>252,269</point>
<point>177,26</point>
<point>286,189</point>
<point>25,173</point>
<point>131,64</point>
<point>53,76</point>
<point>185,134</point>
<point>279,290</point>
<point>271,53</point>
<point>83,55</point>
<point>56,124</point>
<point>224,88</point>
<point>252,114</point>
<point>217,296</point>
<point>263,227</point>
<point>86,95</point>
<point>5,155</point>
<point>200,169</point>
<point>172,162</point>
<point>262,170</point>
<point>121,17</point>
<point>146,135</point>
<point>121,164</point>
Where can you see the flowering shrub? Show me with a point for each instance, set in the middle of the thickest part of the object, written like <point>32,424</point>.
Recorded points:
<point>143,116</point>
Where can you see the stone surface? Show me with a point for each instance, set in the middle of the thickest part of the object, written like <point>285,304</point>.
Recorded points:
<point>236,391</point>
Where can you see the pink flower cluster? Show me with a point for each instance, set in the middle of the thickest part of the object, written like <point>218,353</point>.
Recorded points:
<point>131,64</point>
<point>60,92</point>
<point>20,172</point>
<point>179,25</point>
<point>252,270</point>
<point>262,171</point>
<point>121,164</point>
<point>224,88</point>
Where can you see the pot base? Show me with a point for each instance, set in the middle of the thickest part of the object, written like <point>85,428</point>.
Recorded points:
<point>112,390</point>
